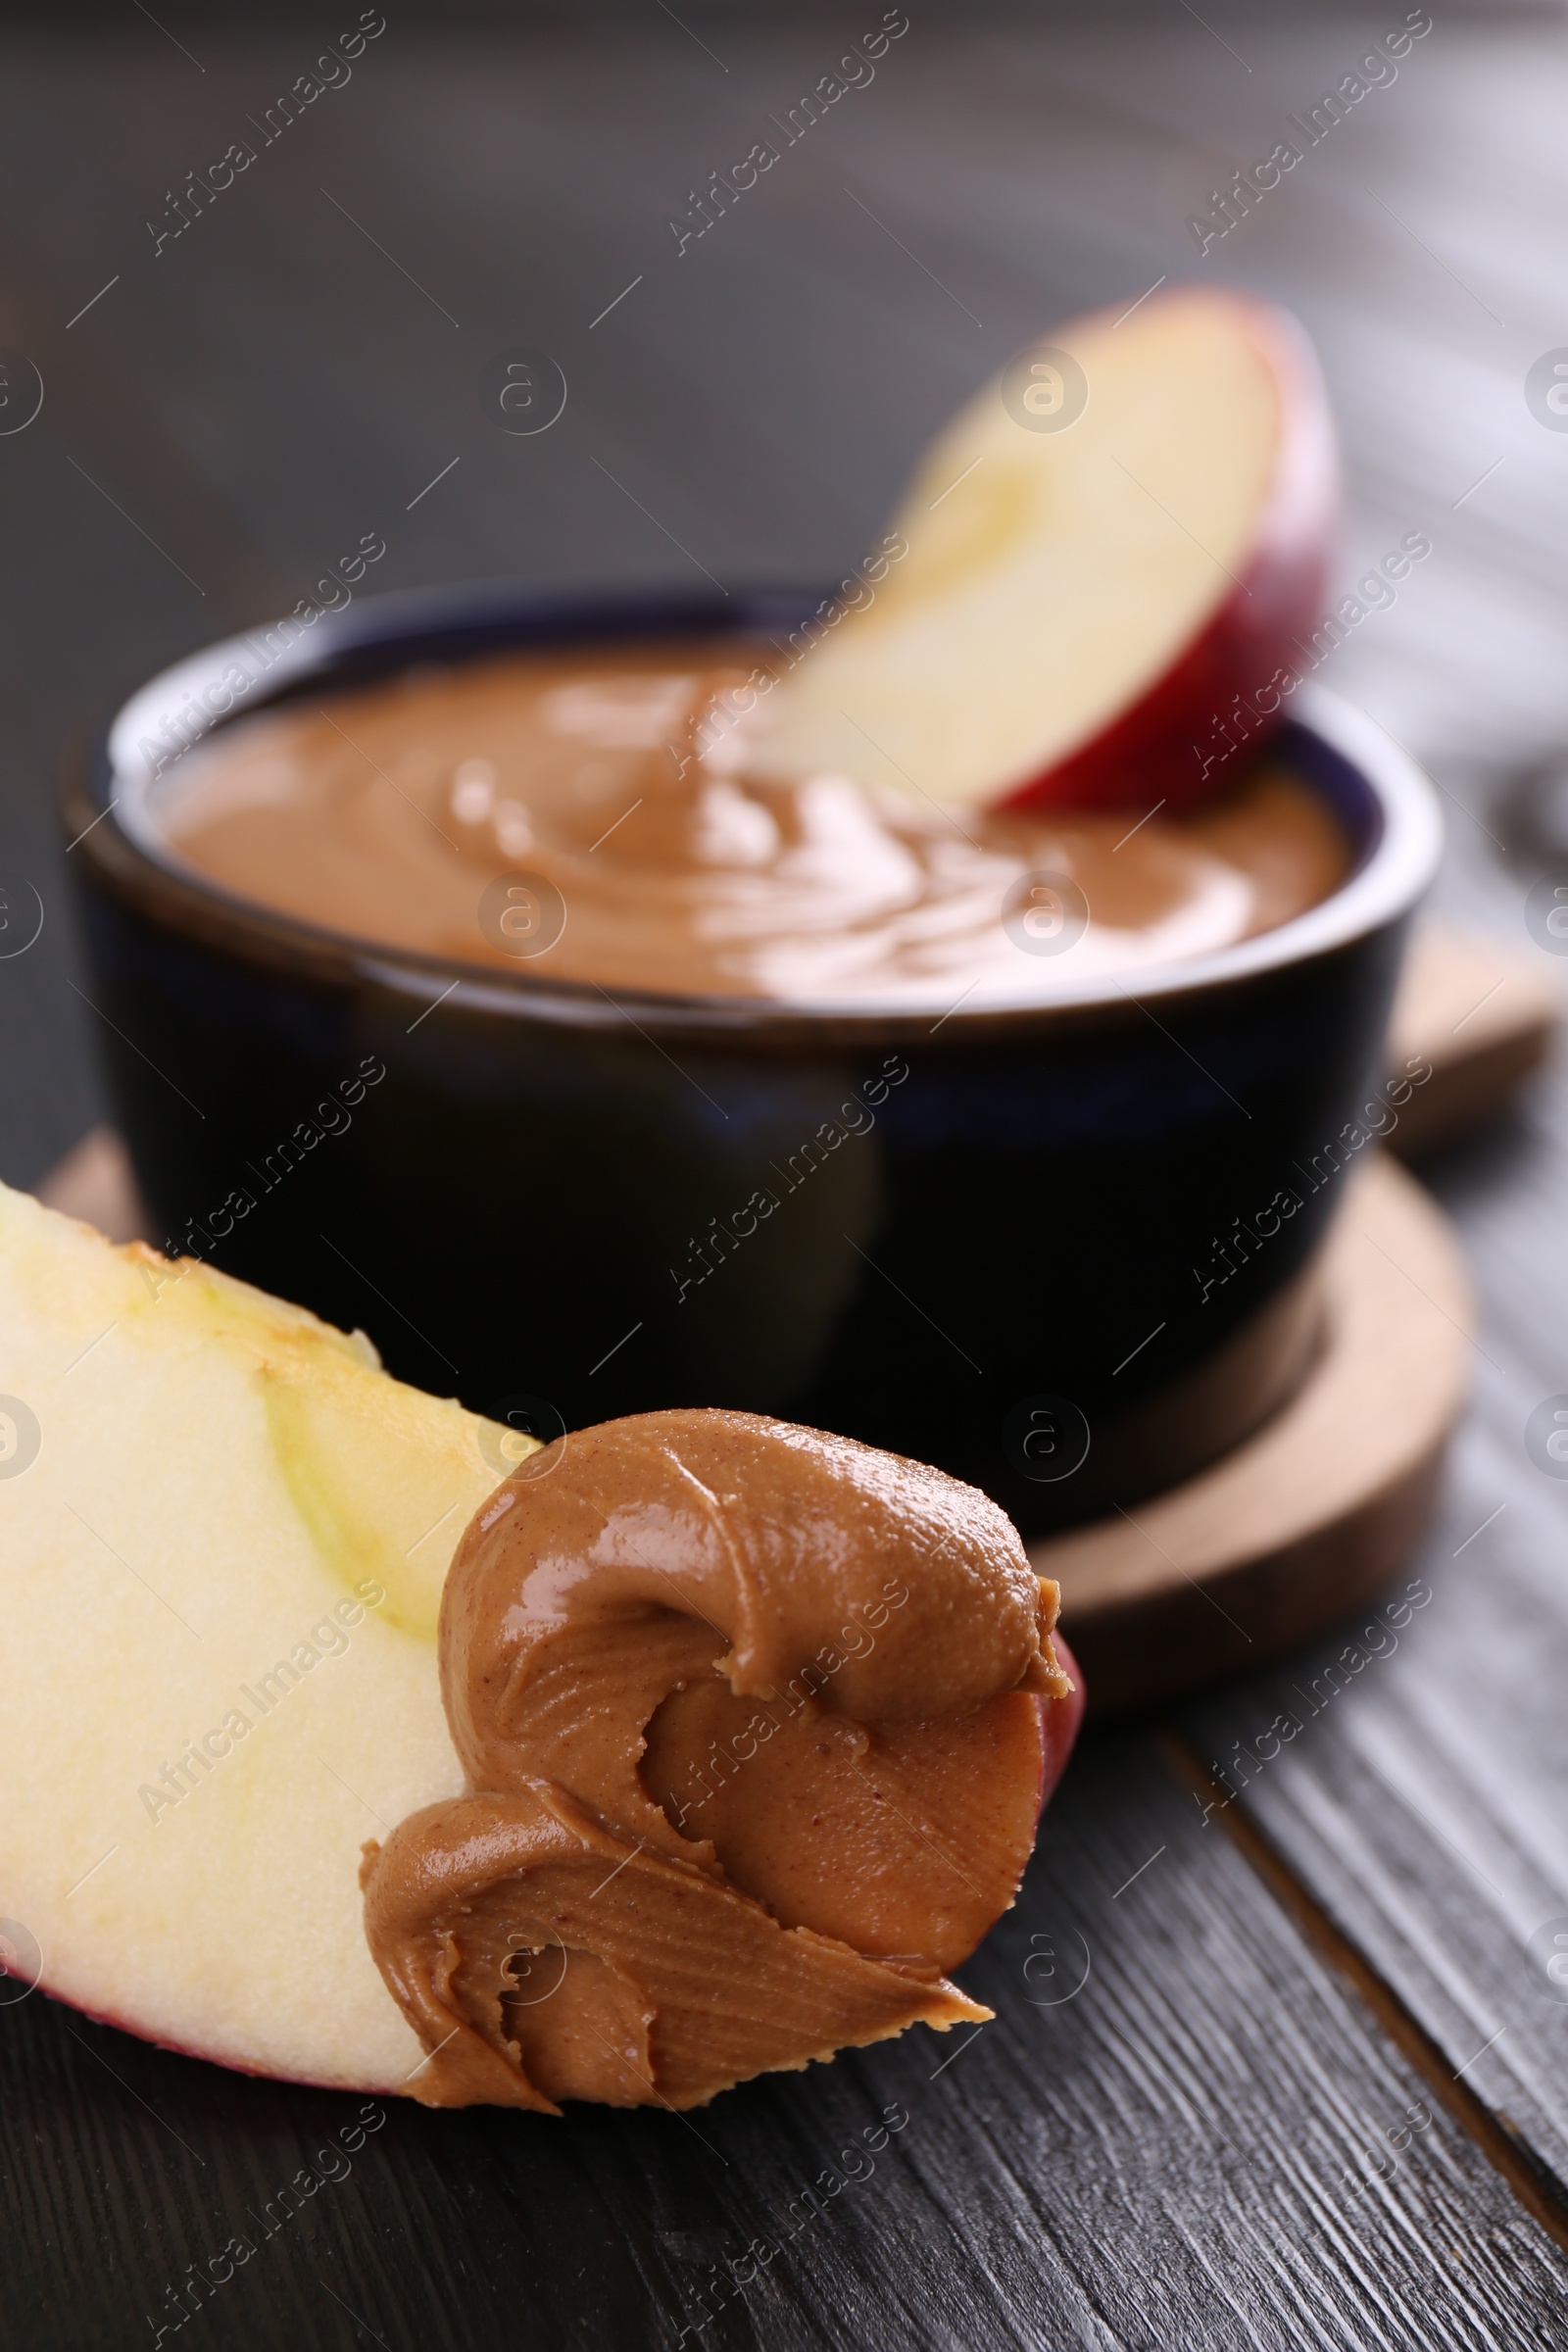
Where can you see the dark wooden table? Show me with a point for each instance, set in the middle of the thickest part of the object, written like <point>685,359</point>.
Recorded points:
<point>1285,2069</point>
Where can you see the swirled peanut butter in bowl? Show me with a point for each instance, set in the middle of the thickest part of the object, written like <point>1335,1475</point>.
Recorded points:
<point>621,787</point>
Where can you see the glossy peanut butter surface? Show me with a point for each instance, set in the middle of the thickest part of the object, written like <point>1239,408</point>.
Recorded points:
<point>620,778</point>
<point>756,1723</point>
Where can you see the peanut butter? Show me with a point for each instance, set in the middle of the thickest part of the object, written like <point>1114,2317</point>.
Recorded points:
<point>620,778</point>
<point>755,1724</point>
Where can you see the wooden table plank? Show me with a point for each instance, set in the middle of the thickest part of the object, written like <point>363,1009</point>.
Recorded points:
<point>1157,2157</point>
<point>1427,1803</point>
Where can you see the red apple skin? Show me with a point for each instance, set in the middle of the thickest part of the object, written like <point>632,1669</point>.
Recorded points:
<point>1168,746</point>
<point>176,2049</point>
<point>1060,1723</point>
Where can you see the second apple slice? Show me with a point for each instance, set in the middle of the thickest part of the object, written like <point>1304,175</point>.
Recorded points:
<point>1107,546</point>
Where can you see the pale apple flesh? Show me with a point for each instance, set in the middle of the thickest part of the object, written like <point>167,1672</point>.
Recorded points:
<point>222,1574</point>
<point>1097,613</point>
<point>224,1534</point>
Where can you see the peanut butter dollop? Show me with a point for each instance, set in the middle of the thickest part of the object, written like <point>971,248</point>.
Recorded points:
<point>755,1724</point>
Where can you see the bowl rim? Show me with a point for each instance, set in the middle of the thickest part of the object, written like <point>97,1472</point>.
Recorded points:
<point>1385,883</point>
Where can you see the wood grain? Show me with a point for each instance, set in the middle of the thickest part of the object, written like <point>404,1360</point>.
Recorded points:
<point>1484,1019</point>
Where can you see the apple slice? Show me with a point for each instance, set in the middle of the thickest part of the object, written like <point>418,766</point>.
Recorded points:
<point>1110,552</point>
<point>225,1535</point>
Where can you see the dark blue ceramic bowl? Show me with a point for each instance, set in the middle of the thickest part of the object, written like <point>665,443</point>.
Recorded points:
<point>992,1241</point>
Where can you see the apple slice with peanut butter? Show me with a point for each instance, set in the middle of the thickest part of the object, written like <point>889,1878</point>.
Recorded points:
<point>757,1724</point>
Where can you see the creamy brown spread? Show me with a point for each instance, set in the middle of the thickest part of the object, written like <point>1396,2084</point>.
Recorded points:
<point>753,1721</point>
<point>620,778</point>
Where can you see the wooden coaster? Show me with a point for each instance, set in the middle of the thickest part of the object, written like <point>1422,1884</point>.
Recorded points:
<point>96,1183</point>
<point>1485,1016</point>
<point>1327,1503</point>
